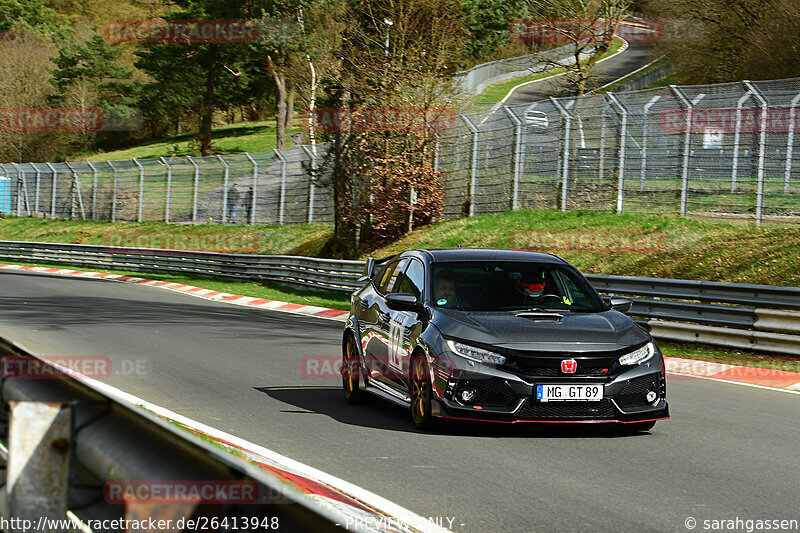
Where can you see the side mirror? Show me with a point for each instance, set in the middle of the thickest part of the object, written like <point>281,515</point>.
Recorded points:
<point>623,305</point>
<point>369,269</point>
<point>403,301</point>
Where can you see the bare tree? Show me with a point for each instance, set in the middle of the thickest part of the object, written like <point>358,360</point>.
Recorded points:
<point>397,62</point>
<point>588,25</point>
<point>24,84</point>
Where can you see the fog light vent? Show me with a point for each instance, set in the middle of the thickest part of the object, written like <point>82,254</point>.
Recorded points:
<point>468,395</point>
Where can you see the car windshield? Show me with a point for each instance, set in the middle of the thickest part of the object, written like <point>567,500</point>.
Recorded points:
<point>512,286</point>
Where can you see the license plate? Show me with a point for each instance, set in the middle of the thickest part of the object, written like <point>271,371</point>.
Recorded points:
<point>569,393</point>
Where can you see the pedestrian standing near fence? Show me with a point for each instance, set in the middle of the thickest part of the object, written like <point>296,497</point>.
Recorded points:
<point>233,202</point>
<point>248,204</point>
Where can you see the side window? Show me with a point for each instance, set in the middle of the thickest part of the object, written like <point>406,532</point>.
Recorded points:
<point>573,295</point>
<point>391,276</point>
<point>414,280</point>
<point>383,276</point>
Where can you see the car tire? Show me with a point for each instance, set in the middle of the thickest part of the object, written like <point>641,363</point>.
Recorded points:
<point>421,392</point>
<point>351,371</point>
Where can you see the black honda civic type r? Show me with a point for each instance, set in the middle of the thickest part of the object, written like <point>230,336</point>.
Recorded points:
<point>498,335</point>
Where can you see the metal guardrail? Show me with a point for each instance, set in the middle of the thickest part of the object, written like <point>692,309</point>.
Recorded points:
<point>301,272</point>
<point>726,313</point>
<point>68,441</point>
<point>476,79</point>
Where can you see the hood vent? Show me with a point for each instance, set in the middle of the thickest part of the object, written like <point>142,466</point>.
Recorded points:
<point>540,316</point>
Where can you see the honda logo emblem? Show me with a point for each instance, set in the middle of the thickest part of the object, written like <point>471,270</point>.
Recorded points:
<point>569,366</point>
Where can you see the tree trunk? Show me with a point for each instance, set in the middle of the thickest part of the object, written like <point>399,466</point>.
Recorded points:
<point>345,224</point>
<point>280,105</point>
<point>290,109</point>
<point>208,112</point>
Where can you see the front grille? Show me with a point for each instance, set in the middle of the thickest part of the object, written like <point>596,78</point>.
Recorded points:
<point>555,372</point>
<point>492,392</point>
<point>633,394</point>
<point>548,364</point>
<point>535,410</point>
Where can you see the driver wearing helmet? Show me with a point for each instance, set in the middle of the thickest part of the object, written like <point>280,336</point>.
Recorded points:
<point>534,287</point>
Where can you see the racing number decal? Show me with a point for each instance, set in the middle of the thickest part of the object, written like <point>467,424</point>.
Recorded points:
<point>396,330</point>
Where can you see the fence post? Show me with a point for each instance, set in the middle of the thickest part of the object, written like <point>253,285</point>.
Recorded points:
<point>21,190</point>
<point>473,178</point>
<point>312,154</point>
<point>567,117</point>
<point>141,189</point>
<point>517,156</point>
<point>53,190</point>
<point>38,186</point>
<point>169,188</point>
<point>647,107</point>
<point>436,153</point>
<point>762,147</point>
<point>255,189</point>
<point>94,190</point>
<point>790,143</point>
<point>282,203</point>
<point>602,169</point>
<point>196,188</point>
<point>114,192</point>
<point>623,133</point>
<point>225,213</point>
<point>75,191</point>
<point>687,145</point>
<point>737,135</point>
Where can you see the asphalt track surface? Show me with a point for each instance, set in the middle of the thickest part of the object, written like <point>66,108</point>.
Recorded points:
<point>729,451</point>
<point>636,56</point>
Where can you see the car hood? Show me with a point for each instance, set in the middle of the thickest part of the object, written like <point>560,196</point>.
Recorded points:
<point>575,332</point>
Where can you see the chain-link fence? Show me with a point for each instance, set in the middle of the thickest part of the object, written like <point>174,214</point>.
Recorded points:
<point>713,150</point>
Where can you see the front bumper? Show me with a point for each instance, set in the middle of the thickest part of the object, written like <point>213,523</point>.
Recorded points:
<point>511,398</point>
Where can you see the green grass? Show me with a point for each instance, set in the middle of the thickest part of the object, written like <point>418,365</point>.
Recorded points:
<point>232,139</point>
<point>630,77</point>
<point>665,82</point>
<point>276,240</point>
<point>498,91</point>
<point>644,245</point>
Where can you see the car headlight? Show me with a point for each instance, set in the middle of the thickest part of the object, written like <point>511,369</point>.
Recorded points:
<point>476,354</point>
<point>639,356</point>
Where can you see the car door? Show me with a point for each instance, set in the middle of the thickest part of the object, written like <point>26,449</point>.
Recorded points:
<point>375,337</point>
<point>405,326</point>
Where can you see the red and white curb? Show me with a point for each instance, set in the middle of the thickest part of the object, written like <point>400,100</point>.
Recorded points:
<point>743,375</point>
<point>357,509</point>
<point>768,378</point>
<point>207,294</point>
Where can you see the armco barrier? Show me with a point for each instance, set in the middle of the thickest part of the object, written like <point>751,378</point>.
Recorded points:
<point>70,444</point>
<point>737,315</point>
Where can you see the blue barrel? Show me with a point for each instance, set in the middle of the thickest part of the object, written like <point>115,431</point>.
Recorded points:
<point>5,196</point>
